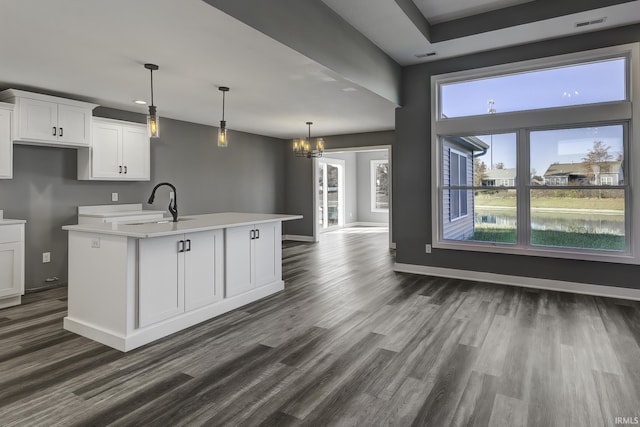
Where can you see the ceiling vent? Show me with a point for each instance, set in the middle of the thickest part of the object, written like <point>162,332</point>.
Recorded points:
<point>592,22</point>
<point>425,55</point>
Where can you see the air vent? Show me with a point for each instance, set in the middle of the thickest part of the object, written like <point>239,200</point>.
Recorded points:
<point>424,55</point>
<point>592,22</point>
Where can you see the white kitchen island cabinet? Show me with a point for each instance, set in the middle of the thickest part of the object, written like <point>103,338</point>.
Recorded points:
<point>254,255</point>
<point>178,274</point>
<point>130,284</point>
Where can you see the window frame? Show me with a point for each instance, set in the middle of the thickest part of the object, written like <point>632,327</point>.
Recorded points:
<point>458,191</point>
<point>373,166</point>
<point>625,112</point>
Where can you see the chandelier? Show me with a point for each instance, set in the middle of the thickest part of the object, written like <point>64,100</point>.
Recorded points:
<point>302,148</point>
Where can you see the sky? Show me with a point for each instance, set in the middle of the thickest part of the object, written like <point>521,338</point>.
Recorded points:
<point>554,87</point>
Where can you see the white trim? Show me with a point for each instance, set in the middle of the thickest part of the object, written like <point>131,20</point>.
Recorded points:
<point>522,281</point>
<point>298,238</point>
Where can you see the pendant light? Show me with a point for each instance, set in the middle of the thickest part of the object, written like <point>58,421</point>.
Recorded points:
<point>153,125</point>
<point>222,130</point>
<point>302,148</point>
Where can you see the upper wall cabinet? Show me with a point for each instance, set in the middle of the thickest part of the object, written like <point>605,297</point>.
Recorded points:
<point>6,146</point>
<point>49,120</point>
<point>119,151</point>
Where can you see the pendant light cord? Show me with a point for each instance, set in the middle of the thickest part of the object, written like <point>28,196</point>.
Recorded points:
<point>223,93</point>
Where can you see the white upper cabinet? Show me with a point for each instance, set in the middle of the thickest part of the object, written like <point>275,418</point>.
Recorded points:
<point>119,151</point>
<point>49,120</point>
<point>6,145</point>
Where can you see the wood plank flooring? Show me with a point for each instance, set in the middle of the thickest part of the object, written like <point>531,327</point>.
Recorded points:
<point>349,342</point>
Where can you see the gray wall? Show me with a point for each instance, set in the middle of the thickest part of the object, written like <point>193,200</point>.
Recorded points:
<point>412,174</point>
<point>299,194</point>
<point>364,187</point>
<point>247,176</point>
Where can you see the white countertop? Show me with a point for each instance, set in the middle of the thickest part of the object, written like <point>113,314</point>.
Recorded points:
<point>110,211</point>
<point>185,224</point>
<point>12,221</point>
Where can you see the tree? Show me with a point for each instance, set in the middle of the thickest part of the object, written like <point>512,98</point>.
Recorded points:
<point>592,162</point>
<point>499,165</point>
<point>479,172</point>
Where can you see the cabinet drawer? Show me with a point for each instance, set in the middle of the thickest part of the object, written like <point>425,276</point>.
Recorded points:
<point>10,233</point>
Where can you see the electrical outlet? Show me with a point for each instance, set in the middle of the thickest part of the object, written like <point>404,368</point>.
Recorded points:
<point>95,242</point>
<point>46,257</point>
<point>427,248</point>
<point>114,197</point>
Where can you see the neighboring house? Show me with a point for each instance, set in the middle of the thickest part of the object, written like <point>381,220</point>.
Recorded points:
<point>457,204</point>
<point>499,178</point>
<point>602,173</point>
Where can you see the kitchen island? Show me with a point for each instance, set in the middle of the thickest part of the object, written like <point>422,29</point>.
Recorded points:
<point>133,283</point>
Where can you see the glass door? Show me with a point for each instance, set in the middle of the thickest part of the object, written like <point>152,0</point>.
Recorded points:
<point>330,193</point>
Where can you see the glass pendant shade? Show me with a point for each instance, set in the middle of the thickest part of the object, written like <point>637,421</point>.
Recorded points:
<point>222,135</point>
<point>153,123</point>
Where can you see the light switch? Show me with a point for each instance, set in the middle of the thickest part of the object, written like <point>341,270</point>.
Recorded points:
<point>114,197</point>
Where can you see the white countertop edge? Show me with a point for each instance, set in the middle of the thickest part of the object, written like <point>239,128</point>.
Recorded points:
<point>12,221</point>
<point>192,223</point>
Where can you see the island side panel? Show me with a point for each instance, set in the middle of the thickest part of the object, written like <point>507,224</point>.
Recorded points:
<point>99,272</point>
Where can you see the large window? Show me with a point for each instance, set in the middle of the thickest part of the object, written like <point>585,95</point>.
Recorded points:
<point>534,158</point>
<point>379,186</point>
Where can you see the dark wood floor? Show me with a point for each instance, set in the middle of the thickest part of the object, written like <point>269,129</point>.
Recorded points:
<point>349,342</point>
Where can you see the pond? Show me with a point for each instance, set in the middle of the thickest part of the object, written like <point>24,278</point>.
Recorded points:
<point>586,221</point>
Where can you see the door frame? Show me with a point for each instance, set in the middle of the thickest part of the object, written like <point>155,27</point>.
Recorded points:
<point>316,227</point>
<point>341,191</point>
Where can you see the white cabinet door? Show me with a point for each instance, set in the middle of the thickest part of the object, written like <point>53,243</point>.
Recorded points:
<point>74,125</point>
<point>160,279</point>
<point>135,153</point>
<point>10,269</point>
<point>238,262</point>
<point>38,120</point>
<point>203,273</point>
<point>105,152</point>
<point>6,145</point>
<point>266,243</point>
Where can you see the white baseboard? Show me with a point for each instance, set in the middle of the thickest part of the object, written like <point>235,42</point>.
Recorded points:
<point>526,282</point>
<point>298,238</point>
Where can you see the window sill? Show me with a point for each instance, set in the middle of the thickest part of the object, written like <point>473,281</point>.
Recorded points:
<point>546,252</point>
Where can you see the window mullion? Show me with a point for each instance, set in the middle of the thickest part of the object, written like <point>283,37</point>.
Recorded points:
<point>523,181</point>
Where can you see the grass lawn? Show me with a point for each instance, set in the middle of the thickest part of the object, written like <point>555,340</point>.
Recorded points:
<point>555,202</point>
<point>565,239</point>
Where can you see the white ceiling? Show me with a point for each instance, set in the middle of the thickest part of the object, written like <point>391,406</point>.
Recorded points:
<point>95,50</point>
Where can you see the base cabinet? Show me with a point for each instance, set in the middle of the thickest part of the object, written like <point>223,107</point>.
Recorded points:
<point>253,257</point>
<point>178,274</point>
<point>11,264</point>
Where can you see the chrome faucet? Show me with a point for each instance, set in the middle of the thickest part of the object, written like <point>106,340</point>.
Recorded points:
<point>173,207</point>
